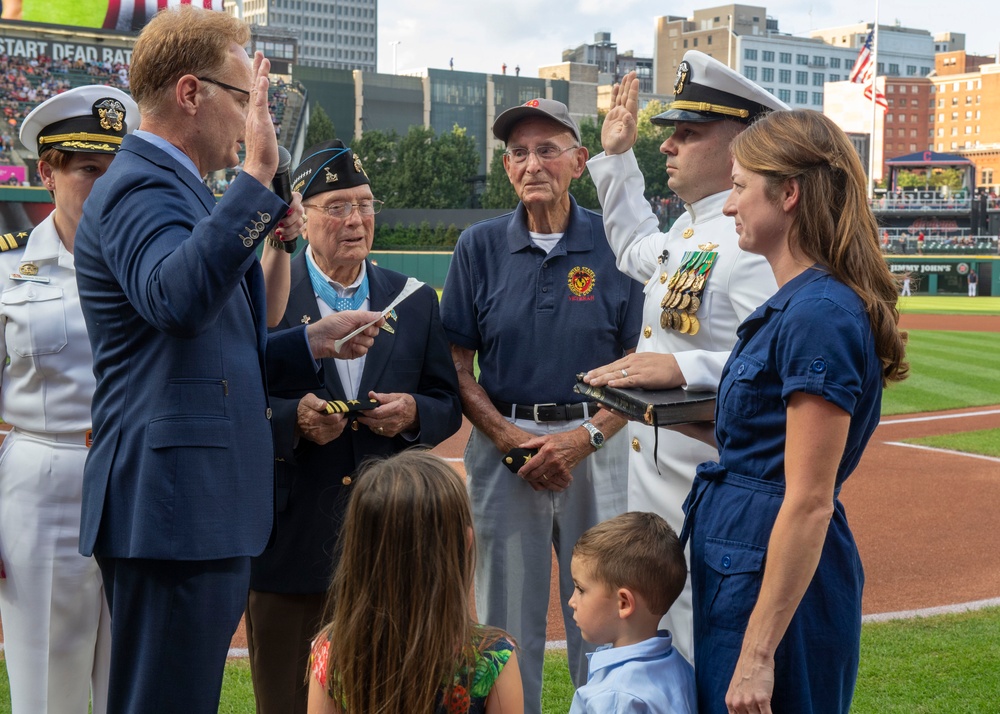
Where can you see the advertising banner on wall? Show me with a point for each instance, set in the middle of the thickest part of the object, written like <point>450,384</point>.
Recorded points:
<point>120,15</point>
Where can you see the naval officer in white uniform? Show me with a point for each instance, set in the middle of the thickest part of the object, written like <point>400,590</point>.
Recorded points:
<point>699,285</point>
<point>56,624</point>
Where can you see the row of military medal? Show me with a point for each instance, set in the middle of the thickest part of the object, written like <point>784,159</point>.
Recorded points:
<point>685,289</point>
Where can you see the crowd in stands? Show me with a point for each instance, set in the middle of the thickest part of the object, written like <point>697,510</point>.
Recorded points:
<point>25,83</point>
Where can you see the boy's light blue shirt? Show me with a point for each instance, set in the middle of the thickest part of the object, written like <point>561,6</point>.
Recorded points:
<point>648,677</point>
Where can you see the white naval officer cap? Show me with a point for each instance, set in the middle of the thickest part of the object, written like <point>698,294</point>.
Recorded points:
<point>707,90</point>
<point>91,119</point>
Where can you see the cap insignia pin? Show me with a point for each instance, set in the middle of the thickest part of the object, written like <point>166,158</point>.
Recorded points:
<point>306,320</point>
<point>111,113</point>
<point>682,74</point>
<point>688,232</point>
<point>331,177</point>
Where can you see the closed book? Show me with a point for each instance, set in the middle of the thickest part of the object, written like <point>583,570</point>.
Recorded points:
<point>656,407</point>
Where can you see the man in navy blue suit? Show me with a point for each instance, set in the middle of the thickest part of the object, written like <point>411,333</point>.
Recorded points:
<point>409,373</point>
<point>179,484</point>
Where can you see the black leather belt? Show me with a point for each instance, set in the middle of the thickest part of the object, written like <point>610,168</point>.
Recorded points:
<point>547,412</point>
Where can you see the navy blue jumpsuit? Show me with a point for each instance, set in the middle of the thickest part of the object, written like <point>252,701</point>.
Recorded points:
<point>812,336</point>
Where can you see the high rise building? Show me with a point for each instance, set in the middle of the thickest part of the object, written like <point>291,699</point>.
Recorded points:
<point>795,69</point>
<point>332,34</point>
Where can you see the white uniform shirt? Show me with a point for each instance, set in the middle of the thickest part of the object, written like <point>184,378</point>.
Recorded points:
<point>49,384</point>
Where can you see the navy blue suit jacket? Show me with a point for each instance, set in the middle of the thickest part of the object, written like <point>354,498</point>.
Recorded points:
<point>182,462</point>
<point>314,482</point>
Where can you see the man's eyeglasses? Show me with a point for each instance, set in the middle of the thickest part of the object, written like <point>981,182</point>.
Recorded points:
<point>217,83</point>
<point>343,209</point>
<point>544,153</point>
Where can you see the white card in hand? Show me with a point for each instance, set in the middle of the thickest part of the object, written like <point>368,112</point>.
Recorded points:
<point>411,286</point>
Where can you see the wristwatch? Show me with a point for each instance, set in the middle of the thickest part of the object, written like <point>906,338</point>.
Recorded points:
<point>596,435</point>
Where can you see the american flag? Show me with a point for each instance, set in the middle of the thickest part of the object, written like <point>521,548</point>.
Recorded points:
<point>864,69</point>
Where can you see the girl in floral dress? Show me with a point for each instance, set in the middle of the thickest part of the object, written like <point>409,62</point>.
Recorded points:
<point>400,638</point>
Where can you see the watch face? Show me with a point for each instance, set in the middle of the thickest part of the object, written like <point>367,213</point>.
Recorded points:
<point>598,439</point>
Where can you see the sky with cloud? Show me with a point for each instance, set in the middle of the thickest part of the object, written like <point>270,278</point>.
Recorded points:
<point>482,35</point>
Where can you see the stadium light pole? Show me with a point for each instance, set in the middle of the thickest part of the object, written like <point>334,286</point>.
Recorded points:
<point>394,44</point>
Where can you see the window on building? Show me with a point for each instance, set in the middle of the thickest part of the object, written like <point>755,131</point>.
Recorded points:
<point>802,78</point>
<point>785,95</point>
<point>911,70</point>
<point>835,63</point>
<point>695,41</point>
<point>893,69</point>
<point>924,71</point>
<point>888,133</point>
<point>750,73</point>
<point>834,77</point>
<point>767,74</point>
<point>817,99</point>
<point>785,76</point>
<point>819,61</point>
<point>848,64</point>
<point>785,57</point>
<point>749,54</point>
<point>913,133</point>
<point>818,79</point>
<point>801,97</point>
<point>987,176</point>
<point>709,39</point>
<point>685,43</point>
<point>767,56</point>
<point>801,59</point>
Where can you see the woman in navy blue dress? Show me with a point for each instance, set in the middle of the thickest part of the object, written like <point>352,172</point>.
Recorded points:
<point>776,573</point>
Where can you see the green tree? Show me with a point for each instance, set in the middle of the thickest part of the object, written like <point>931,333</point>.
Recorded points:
<point>377,151</point>
<point>320,126</point>
<point>456,163</point>
<point>583,188</point>
<point>647,150</point>
<point>499,193</point>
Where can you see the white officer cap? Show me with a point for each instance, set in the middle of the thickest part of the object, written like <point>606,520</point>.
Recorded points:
<point>92,119</point>
<point>707,90</point>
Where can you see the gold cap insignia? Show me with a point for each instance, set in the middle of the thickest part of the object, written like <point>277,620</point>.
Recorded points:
<point>331,177</point>
<point>708,246</point>
<point>111,113</point>
<point>688,232</point>
<point>358,167</point>
<point>683,70</point>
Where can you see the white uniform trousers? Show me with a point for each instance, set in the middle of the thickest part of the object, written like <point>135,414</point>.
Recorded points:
<point>56,624</point>
<point>516,531</point>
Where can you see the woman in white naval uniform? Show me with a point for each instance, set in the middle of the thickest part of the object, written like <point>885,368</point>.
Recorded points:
<point>56,624</point>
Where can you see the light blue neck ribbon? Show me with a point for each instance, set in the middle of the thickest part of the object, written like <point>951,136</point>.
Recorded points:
<point>321,286</point>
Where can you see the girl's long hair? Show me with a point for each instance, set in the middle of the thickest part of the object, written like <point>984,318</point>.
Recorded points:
<point>834,225</point>
<point>398,614</point>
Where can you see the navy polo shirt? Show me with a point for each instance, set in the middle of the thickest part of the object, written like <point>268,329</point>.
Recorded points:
<point>536,320</point>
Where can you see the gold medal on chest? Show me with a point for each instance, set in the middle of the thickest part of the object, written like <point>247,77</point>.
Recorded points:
<point>688,232</point>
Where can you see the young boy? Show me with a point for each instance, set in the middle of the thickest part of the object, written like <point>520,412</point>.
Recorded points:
<point>628,571</point>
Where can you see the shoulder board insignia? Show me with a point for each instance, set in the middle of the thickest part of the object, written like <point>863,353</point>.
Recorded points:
<point>14,240</point>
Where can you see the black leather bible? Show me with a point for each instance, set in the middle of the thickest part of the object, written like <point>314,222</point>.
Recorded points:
<point>656,407</point>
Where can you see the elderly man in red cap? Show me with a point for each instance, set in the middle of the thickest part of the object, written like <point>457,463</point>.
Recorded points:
<point>536,294</point>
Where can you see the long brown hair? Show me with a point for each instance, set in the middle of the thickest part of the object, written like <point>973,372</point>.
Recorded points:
<point>398,612</point>
<point>834,225</point>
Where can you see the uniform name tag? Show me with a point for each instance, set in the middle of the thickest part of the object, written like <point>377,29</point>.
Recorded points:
<point>29,278</point>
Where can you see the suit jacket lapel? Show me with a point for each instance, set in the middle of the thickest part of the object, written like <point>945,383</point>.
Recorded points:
<point>381,292</point>
<point>302,309</point>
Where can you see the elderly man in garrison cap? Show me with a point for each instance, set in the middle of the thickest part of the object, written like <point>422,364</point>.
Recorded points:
<point>404,392</point>
<point>689,326</point>
<point>537,295</point>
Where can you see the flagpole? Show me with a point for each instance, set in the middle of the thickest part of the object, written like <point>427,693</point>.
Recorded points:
<point>874,74</point>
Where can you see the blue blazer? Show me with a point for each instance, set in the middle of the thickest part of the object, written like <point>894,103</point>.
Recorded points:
<point>181,466</point>
<point>315,482</point>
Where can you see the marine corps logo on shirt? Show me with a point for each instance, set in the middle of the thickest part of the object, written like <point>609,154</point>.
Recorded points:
<point>581,281</point>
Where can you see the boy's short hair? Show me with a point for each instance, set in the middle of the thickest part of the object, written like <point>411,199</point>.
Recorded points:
<point>638,551</point>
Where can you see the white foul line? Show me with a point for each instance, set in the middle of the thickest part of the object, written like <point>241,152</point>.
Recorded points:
<point>962,415</point>
<point>950,452</point>
<point>932,611</point>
